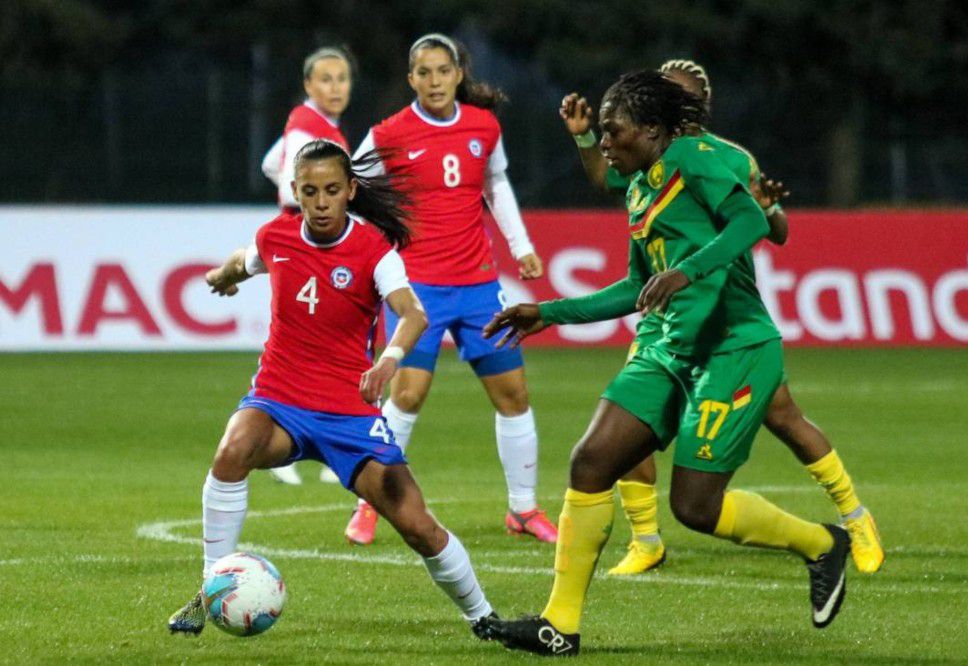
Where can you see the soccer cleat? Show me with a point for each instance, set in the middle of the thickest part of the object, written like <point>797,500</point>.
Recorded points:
<point>482,626</point>
<point>286,474</point>
<point>534,522</point>
<point>534,634</point>
<point>326,475</point>
<point>362,525</point>
<point>190,618</point>
<point>641,556</point>
<point>828,581</point>
<point>865,543</point>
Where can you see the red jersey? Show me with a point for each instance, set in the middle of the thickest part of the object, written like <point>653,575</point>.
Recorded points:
<point>306,123</point>
<point>443,165</point>
<point>324,308</point>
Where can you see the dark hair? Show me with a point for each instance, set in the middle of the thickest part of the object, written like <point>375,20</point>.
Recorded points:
<point>469,91</point>
<point>341,52</point>
<point>649,98</point>
<point>377,200</point>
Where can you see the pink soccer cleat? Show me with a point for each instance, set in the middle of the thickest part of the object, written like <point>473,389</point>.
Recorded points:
<point>533,522</point>
<point>362,525</point>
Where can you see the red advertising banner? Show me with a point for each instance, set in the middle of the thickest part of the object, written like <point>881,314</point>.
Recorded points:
<point>878,277</point>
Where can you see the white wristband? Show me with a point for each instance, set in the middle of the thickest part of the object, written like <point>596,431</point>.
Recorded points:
<point>586,140</point>
<point>394,352</point>
<point>772,209</point>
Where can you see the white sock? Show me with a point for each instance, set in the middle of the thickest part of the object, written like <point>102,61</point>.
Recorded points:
<point>451,570</point>
<point>400,422</point>
<point>517,446</point>
<point>224,504</point>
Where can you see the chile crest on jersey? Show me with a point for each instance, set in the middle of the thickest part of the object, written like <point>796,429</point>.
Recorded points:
<point>324,304</point>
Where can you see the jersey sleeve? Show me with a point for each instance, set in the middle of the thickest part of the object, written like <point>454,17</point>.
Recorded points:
<point>706,175</point>
<point>253,261</point>
<point>272,162</point>
<point>368,145</point>
<point>498,160</point>
<point>389,274</point>
<point>294,140</point>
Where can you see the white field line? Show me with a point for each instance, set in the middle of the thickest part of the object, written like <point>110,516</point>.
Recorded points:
<point>163,531</point>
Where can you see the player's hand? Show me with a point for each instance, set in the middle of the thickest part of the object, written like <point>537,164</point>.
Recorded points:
<point>577,113</point>
<point>660,288</point>
<point>766,191</point>
<point>521,321</point>
<point>374,381</point>
<point>530,267</point>
<point>220,284</point>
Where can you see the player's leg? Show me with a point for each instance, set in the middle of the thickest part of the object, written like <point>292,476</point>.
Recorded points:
<point>615,442</point>
<point>517,445</point>
<point>393,492</point>
<point>252,440</point>
<point>640,504</point>
<point>718,425</point>
<point>809,444</point>
<point>408,391</point>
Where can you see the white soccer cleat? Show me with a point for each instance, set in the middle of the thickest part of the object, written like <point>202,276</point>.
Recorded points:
<point>287,475</point>
<point>326,475</point>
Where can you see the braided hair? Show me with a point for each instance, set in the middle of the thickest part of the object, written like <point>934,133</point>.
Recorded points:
<point>650,98</point>
<point>693,69</point>
<point>469,91</point>
<point>377,200</point>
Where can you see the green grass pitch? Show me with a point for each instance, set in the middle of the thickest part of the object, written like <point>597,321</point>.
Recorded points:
<point>99,446</point>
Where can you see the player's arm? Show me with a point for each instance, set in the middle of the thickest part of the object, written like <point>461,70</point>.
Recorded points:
<point>503,205</point>
<point>577,115</point>
<point>745,224</point>
<point>294,140</point>
<point>393,286</point>
<point>768,194</point>
<point>615,300</point>
<point>273,160</point>
<point>240,266</point>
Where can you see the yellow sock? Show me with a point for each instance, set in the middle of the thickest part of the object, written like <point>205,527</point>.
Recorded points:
<point>640,503</point>
<point>829,472</point>
<point>749,519</point>
<point>583,529</point>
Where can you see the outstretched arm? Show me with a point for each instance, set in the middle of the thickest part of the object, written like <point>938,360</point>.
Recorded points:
<point>412,324</point>
<point>577,115</point>
<point>240,266</point>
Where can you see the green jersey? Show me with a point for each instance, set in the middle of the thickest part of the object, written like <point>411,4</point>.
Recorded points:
<point>675,222</point>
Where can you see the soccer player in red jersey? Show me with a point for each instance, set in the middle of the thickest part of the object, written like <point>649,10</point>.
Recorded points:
<point>327,80</point>
<point>316,392</point>
<point>447,148</point>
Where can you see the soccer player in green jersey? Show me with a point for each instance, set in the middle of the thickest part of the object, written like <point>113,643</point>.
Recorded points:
<point>783,418</point>
<point>707,381</point>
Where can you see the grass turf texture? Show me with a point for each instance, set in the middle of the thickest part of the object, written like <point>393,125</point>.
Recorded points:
<point>96,445</point>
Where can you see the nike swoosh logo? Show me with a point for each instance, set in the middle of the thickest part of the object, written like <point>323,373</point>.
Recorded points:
<point>414,154</point>
<point>823,614</point>
<point>213,540</point>
<point>529,466</point>
<point>276,258</point>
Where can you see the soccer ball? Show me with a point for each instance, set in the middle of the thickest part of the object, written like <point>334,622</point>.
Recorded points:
<point>244,594</point>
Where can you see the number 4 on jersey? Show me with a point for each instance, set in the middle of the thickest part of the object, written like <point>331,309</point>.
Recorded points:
<point>308,295</point>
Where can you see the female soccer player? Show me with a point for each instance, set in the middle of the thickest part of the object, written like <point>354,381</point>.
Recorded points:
<point>447,147</point>
<point>327,80</point>
<point>706,382</point>
<point>316,391</point>
<point>783,417</point>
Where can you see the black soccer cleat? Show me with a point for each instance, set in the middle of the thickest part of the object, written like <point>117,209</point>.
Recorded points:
<point>190,618</point>
<point>828,581</point>
<point>482,626</point>
<point>535,634</point>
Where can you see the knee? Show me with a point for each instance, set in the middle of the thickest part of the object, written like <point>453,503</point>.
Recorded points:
<point>513,401</point>
<point>783,417</point>
<point>586,474</point>
<point>697,513</point>
<point>236,453</point>
<point>409,399</point>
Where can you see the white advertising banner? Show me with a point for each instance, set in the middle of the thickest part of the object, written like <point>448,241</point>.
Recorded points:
<point>126,278</point>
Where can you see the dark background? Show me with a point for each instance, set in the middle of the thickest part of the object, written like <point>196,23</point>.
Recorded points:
<point>849,102</point>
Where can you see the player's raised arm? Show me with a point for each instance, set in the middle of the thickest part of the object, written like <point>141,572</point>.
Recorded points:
<point>412,324</point>
<point>240,266</point>
<point>768,194</point>
<point>577,115</point>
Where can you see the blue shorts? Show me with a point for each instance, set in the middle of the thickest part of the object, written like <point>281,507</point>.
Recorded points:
<point>344,443</point>
<point>464,311</point>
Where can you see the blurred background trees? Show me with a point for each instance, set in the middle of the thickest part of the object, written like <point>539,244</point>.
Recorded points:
<point>850,102</point>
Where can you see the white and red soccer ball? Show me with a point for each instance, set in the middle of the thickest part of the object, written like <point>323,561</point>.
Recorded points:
<point>244,594</point>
